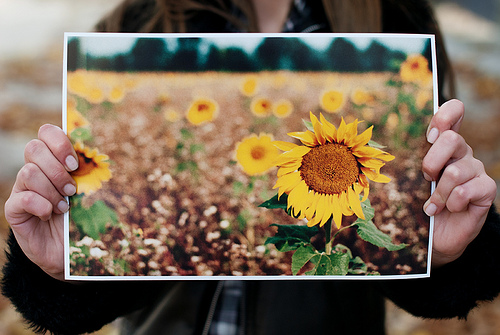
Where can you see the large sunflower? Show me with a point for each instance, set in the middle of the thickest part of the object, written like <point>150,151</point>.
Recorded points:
<point>93,169</point>
<point>325,176</point>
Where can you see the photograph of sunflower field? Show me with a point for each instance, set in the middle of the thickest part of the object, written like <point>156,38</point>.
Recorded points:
<point>243,155</point>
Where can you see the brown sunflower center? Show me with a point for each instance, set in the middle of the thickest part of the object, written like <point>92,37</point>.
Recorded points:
<point>85,165</point>
<point>329,168</point>
<point>258,152</point>
<point>203,107</point>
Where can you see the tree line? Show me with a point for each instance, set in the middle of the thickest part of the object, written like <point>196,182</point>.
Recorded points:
<point>273,53</point>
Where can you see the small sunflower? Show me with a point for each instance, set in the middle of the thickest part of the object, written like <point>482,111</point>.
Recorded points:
<point>331,101</point>
<point>74,118</point>
<point>249,86</point>
<point>325,176</point>
<point>362,97</point>
<point>76,82</point>
<point>423,98</point>
<point>95,95</point>
<point>171,115</point>
<point>261,107</point>
<point>256,154</point>
<point>283,108</point>
<point>93,169</point>
<point>415,69</point>
<point>202,110</point>
<point>116,94</point>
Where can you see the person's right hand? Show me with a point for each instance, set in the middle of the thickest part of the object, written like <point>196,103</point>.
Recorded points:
<point>36,205</point>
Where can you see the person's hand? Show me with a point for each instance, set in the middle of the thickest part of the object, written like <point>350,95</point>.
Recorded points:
<point>464,192</point>
<point>36,205</point>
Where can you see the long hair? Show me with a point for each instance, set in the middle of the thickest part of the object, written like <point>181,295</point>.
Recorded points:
<point>171,16</point>
<point>343,16</point>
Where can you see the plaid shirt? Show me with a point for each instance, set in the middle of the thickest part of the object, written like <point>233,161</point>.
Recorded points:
<point>229,299</point>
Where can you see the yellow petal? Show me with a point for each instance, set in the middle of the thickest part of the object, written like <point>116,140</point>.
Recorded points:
<point>287,169</point>
<point>306,137</point>
<point>337,210</point>
<point>376,177</point>
<point>287,182</point>
<point>321,207</point>
<point>314,221</point>
<point>351,132</point>
<point>318,130</point>
<point>292,155</point>
<point>341,131</point>
<point>385,156</point>
<point>363,181</point>
<point>329,130</point>
<point>297,197</point>
<point>366,151</point>
<point>363,138</point>
<point>371,163</point>
<point>366,191</point>
<point>344,204</point>
<point>328,210</point>
<point>313,205</point>
<point>354,203</point>
<point>284,146</point>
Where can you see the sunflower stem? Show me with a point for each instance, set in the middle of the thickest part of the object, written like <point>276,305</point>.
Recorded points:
<point>328,237</point>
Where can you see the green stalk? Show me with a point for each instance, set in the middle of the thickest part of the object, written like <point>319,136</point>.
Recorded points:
<point>328,237</point>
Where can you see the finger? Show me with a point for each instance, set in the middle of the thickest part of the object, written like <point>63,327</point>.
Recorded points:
<point>448,117</point>
<point>453,176</point>
<point>22,206</point>
<point>39,154</point>
<point>447,149</point>
<point>60,145</point>
<point>479,191</point>
<point>31,178</point>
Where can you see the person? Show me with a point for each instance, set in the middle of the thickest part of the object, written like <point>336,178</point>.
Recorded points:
<point>466,262</point>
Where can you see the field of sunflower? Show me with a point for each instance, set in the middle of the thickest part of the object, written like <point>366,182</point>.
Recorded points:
<point>173,167</point>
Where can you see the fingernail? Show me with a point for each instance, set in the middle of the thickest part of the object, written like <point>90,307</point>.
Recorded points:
<point>432,135</point>
<point>430,208</point>
<point>427,177</point>
<point>71,163</point>
<point>63,206</point>
<point>69,189</point>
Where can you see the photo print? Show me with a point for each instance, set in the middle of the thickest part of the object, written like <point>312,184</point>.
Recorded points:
<point>244,156</point>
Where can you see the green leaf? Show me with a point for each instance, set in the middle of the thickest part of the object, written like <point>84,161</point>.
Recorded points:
<point>308,125</point>
<point>368,210</point>
<point>336,264</point>
<point>339,264</point>
<point>301,257</point>
<point>92,221</point>
<point>81,134</point>
<point>186,134</point>
<point>274,202</point>
<point>357,266</point>
<point>291,237</point>
<point>374,144</point>
<point>194,148</point>
<point>367,230</point>
<point>370,233</point>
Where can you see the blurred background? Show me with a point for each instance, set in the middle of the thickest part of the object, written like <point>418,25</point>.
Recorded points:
<point>31,57</point>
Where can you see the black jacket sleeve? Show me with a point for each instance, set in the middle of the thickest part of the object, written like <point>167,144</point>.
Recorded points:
<point>61,307</point>
<point>456,288</point>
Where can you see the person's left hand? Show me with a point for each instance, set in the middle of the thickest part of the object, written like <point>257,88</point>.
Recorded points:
<point>464,192</point>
